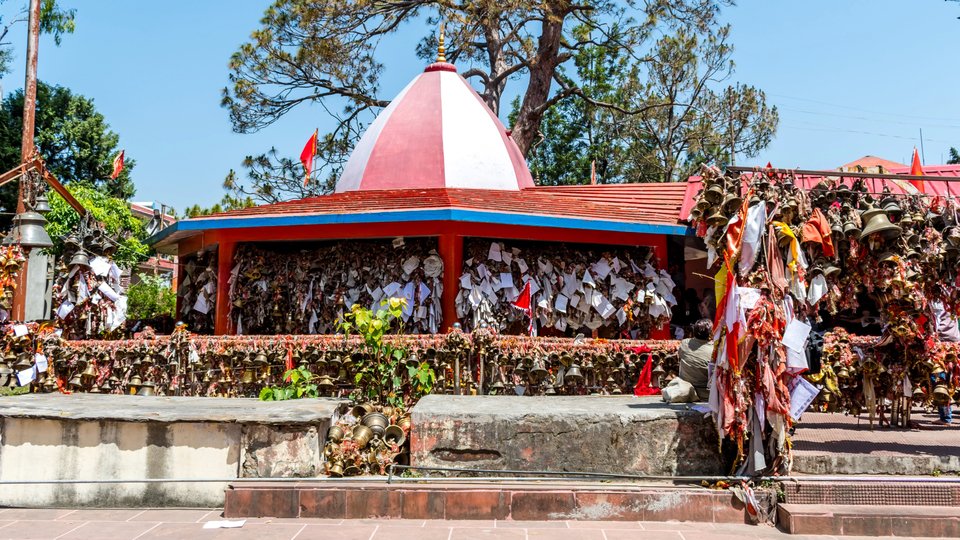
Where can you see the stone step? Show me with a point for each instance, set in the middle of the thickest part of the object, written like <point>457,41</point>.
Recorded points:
<point>487,501</point>
<point>874,493</point>
<point>863,520</point>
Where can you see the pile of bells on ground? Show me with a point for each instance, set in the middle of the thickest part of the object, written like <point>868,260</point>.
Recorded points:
<point>11,260</point>
<point>366,440</point>
<point>576,374</point>
<point>844,372</point>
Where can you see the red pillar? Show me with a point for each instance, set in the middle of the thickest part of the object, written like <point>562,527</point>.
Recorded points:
<point>451,251</point>
<point>222,324</point>
<point>659,245</point>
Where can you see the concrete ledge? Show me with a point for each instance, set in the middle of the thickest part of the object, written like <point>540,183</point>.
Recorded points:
<point>110,437</point>
<point>831,519</point>
<point>873,493</point>
<point>500,501</point>
<point>620,434</point>
<point>84,406</point>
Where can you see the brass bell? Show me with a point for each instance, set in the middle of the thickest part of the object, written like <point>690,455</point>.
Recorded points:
<point>717,219</point>
<point>891,207</point>
<point>713,194</point>
<point>877,222</point>
<point>28,231</point>
<point>404,422</point>
<point>843,372</point>
<point>147,389</point>
<point>377,422</point>
<point>941,396</point>
<point>850,229</point>
<point>830,270</point>
<point>362,435</point>
<point>249,377</point>
<point>731,203</point>
<point>573,375</point>
<point>80,259</point>
<point>539,371</point>
<point>325,384</point>
<point>74,383</point>
<point>394,435</point>
<point>336,469</point>
<point>90,372</point>
<point>335,433</point>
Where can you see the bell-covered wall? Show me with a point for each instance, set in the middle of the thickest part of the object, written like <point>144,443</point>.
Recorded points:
<point>304,287</point>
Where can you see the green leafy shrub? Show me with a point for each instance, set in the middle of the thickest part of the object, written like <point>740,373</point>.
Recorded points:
<point>150,298</point>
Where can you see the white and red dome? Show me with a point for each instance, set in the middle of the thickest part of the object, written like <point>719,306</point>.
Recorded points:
<point>437,133</point>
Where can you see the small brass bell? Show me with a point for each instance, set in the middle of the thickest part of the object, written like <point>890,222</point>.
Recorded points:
<point>80,259</point>
<point>941,396</point>
<point>717,219</point>
<point>714,194</point>
<point>249,377</point>
<point>731,203</point>
<point>90,372</point>
<point>394,435</point>
<point>539,371</point>
<point>74,383</point>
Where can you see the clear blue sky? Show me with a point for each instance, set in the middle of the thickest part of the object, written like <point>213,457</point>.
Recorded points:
<point>851,77</point>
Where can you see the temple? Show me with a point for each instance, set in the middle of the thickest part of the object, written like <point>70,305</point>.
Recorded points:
<point>437,166</point>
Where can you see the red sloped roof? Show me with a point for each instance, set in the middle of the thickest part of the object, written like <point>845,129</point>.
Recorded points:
<point>868,162</point>
<point>637,203</point>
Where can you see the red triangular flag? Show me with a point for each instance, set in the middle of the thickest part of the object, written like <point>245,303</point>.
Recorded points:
<point>916,169</point>
<point>643,387</point>
<point>306,157</point>
<point>117,166</point>
<point>523,301</point>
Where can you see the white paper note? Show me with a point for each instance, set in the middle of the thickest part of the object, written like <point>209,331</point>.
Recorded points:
<point>802,394</point>
<point>795,335</point>
<point>26,376</point>
<point>41,361</point>
<point>522,265</point>
<point>602,269</point>
<point>494,253</point>
<point>20,330</point>
<point>466,282</point>
<point>201,304</point>
<point>411,264</point>
<point>561,303</point>
<point>100,266</point>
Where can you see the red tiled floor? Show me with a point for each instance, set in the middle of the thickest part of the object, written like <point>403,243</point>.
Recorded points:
<point>841,434</point>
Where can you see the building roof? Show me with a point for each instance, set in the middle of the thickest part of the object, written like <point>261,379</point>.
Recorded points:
<point>437,133</point>
<point>871,163</point>
<point>641,208</point>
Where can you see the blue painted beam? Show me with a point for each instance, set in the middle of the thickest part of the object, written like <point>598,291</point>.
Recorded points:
<point>444,214</point>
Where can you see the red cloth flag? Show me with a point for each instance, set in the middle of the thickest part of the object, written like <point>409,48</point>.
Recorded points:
<point>916,169</point>
<point>306,157</point>
<point>117,166</point>
<point>643,387</point>
<point>524,303</point>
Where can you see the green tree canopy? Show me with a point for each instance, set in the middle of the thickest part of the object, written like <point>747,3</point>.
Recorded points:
<point>119,223</point>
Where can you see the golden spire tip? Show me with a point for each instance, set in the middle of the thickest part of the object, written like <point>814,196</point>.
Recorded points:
<point>440,48</point>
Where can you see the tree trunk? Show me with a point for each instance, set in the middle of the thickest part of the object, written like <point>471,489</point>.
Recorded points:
<point>542,68</point>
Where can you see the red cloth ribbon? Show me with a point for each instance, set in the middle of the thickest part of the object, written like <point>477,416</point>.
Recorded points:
<point>643,387</point>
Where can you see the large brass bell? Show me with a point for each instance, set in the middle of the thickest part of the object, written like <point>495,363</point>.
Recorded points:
<point>877,222</point>
<point>90,372</point>
<point>335,433</point>
<point>539,370</point>
<point>731,203</point>
<point>377,422</point>
<point>147,389</point>
<point>249,376</point>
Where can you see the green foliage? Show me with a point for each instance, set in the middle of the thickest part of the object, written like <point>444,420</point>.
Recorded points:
<point>72,137</point>
<point>298,383</point>
<point>53,20</point>
<point>384,376</point>
<point>228,203</point>
<point>150,298</point>
<point>114,213</point>
<point>954,158</point>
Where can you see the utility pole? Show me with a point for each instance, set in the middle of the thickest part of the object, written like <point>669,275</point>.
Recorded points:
<point>26,145</point>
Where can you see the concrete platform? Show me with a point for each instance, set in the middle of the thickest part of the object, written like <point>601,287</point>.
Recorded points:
<point>859,520</point>
<point>840,444</point>
<point>110,437</point>
<point>619,434</point>
<point>557,501</point>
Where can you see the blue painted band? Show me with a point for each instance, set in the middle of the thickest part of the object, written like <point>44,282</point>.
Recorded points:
<point>445,214</point>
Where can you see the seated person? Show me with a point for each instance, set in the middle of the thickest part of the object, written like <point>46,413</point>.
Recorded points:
<point>695,355</point>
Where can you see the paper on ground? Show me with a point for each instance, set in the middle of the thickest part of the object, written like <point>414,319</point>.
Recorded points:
<point>224,524</point>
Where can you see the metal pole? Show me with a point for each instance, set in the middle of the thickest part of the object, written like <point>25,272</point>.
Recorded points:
<point>923,155</point>
<point>26,145</point>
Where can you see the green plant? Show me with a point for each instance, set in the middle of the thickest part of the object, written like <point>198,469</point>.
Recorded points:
<point>150,298</point>
<point>385,374</point>
<point>299,384</point>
